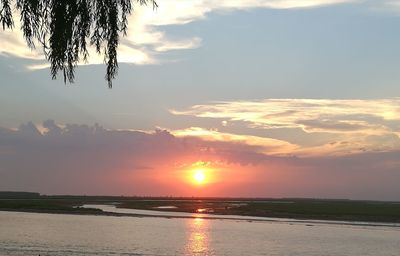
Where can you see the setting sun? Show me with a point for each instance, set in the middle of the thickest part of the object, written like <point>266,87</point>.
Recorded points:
<point>199,176</point>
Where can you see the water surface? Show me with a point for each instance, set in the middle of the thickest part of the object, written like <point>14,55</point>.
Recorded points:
<point>73,235</point>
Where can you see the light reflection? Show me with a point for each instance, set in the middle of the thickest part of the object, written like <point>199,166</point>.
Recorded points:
<point>198,237</point>
<point>205,210</point>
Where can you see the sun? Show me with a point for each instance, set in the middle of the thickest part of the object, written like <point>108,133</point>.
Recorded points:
<point>199,176</point>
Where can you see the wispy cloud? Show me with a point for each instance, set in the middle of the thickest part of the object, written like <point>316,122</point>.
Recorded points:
<point>179,45</point>
<point>268,146</point>
<point>324,115</point>
<point>360,125</point>
<point>145,35</point>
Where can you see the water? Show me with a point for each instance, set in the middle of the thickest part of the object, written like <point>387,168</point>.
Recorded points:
<point>159,212</point>
<point>60,235</point>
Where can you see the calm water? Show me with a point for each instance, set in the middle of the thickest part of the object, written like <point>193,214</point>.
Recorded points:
<point>52,234</point>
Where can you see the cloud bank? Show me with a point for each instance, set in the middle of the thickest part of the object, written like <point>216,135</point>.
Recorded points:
<point>70,159</point>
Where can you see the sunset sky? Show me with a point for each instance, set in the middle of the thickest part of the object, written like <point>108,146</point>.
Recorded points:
<point>239,98</point>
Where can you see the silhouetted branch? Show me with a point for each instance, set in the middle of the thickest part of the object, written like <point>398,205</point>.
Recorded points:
<point>63,28</point>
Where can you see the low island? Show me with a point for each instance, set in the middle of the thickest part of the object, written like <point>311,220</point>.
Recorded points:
<point>296,208</point>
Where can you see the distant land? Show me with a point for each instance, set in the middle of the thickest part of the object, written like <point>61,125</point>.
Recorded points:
<point>12,194</point>
<point>297,208</point>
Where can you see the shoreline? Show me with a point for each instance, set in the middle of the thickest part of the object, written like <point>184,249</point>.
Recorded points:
<point>306,210</point>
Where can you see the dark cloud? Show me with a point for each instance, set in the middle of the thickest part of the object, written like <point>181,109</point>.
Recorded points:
<point>61,159</point>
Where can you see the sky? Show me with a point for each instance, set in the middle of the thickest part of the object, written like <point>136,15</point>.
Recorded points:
<point>268,98</point>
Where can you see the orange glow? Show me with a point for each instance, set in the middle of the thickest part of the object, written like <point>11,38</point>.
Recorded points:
<point>199,176</point>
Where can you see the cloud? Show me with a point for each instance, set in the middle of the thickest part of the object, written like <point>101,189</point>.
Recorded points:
<point>180,45</point>
<point>82,159</point>
<point>72,158</point>
<point>391,5</point>
<point>145,35</point>
<point>268,146</point>
<point>354,122</point>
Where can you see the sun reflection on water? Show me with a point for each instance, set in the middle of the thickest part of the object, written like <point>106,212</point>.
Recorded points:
<point>198,238</point>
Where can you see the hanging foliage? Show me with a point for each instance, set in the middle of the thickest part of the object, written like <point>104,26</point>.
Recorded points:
<point>65,29</point>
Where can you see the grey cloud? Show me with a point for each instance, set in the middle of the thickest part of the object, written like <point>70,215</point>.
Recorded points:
<point>62,158</point>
